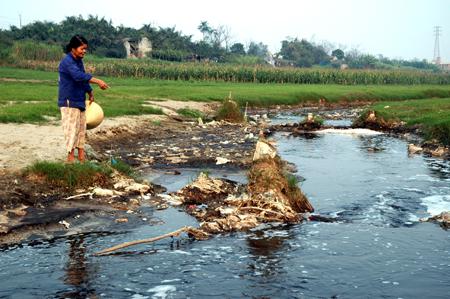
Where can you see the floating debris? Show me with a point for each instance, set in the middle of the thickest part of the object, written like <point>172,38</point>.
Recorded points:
<point>414,149</point>
<point>65,223</point>
<point>443,219</point>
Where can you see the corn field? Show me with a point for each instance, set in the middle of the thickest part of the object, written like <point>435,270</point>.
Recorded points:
<point>29,50</point>
<point>195,71</point>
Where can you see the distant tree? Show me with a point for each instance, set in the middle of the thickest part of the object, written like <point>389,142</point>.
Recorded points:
<point>257,49</point>
<point>362,61</point>
<point>38,31</point>
<point>132,33</point>
<point>338,53</point>
<point>216,37</point>
<point>167,39</point>
<point>238,49</point>
<point>325,45</point>
<point>170,44</point>
<point>400,63</point>
<point>6,42</point>
<point>205,50</point>
<point>206,30</point>
<point>420,64</point>
<point>222,35</point>
<point>302,53</point>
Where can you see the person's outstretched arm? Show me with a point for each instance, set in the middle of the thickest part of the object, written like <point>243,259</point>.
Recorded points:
<point>102,84</point>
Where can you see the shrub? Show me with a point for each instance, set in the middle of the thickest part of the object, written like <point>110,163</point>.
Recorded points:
<point>230,111</point>
<point>170,55</point>
<point>70,175</point>
<point>316,119</point>
<point>439,131</point>
<point>191,113</point>
<point>291,180</point>
<point>30,50</point>
<point>122,167</point>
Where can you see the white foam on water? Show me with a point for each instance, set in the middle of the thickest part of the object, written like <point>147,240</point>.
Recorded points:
<point>436,204</point>
<point>412,218</point>
<point>423,178</point>
<point>162,291</point>
<point>139,296</point>
<point>413,190</point>
<point>170,280</point>
<point>349,131</point>
<point>373,213</point>
<point>181,252</point>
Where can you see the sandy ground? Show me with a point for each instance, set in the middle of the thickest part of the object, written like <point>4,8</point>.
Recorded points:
<point>169,107</point>
<point>22,144</point>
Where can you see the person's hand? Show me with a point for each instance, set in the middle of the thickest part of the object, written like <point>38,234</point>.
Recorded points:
<point>91,99</point>
<point>102,84</point>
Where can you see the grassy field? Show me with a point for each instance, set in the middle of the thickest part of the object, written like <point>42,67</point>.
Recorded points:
<point>432,114</point>
<point>30,96</point>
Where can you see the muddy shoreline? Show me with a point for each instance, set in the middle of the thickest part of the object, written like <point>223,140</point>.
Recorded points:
<point>31,207</point>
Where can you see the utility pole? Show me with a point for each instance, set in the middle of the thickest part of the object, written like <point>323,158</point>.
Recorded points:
<point>437,52</point>
<point>20,20</point>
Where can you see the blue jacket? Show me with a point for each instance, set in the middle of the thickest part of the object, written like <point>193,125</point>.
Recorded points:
<point>73,83</point>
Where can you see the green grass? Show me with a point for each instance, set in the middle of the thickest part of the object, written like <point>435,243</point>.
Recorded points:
<point>26,74</point>
<point>317,120</point>
<point>69,175</point>
<point>191,113</point>
<point>292,180</point>
<point>123,168</point>
<point>432,114</point>
<point>127,95</point>
<point>31,102</point>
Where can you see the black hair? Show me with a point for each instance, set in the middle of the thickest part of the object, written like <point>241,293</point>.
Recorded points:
<point>76,41</point>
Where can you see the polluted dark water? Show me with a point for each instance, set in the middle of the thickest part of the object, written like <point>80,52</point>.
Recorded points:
<point>376,249</point>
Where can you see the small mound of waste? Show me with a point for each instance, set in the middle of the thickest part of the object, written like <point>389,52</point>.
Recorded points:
<point>224,206</point>
<point>443,219</point>
<point>270,196</point>
<point>230,111</point>
<point>371,120</point>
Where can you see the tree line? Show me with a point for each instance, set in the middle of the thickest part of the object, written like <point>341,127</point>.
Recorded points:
<point>106,40</point>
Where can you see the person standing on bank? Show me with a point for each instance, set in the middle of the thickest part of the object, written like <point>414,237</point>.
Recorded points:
<point>73,87</point>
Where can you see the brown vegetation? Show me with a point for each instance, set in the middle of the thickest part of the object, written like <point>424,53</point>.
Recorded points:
<point>229,111</point>
<point>267,175</point>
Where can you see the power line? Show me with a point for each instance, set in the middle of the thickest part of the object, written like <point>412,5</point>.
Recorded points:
<point>5,25</point>
<point>437,51</point>
<point>8,22</point>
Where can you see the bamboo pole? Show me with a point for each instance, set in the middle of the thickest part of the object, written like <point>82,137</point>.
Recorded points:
<point>136,242</point>
<point>198,234</point>
<point>80,195</point>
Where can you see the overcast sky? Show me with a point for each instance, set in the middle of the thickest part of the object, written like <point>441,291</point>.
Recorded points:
<point>393,28</point>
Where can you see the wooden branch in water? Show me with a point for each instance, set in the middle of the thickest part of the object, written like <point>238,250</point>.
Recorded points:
<point>198,234</point>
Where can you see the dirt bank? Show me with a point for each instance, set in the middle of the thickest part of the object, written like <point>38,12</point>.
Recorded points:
<point>143,141</point>
<point>22,144</point>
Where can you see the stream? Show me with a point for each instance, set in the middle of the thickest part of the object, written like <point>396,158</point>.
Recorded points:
<point>376,249</point>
